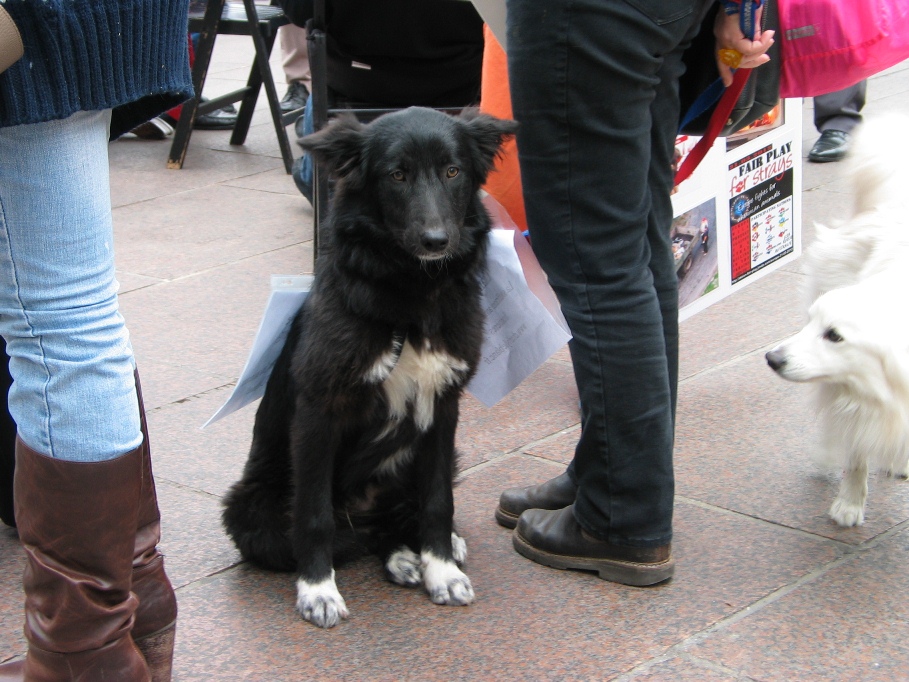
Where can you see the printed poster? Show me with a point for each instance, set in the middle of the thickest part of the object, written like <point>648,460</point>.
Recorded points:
<point>738,217</point>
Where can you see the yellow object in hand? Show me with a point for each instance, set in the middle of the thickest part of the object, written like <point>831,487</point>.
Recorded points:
<point>731,58</point>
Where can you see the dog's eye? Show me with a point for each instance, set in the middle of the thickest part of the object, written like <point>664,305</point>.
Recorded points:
<point>398,175</point>
<point>452,171</point>
<point>832,335</point>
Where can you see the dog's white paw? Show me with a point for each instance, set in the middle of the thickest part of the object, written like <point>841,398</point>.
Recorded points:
<point>847,513</point>
<point>403,567</point>
<point>458,549</point>
<point>321,603</point>
<point>899,471</point>
<point>445,582</point>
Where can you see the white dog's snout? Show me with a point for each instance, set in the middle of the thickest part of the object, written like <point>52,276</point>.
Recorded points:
<point>776,358</point>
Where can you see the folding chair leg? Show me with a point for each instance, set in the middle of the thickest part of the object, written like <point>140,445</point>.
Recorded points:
<point>184,128</point>
<point>318,64</point>
<point>247,105</point>
<point>263,52</point>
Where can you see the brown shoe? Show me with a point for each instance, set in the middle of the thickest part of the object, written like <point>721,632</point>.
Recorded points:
<point>555,493</point>
<point>554,538</point>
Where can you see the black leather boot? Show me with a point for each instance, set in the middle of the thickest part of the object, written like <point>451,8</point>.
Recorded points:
<point>7,442</point>
<point>554,538</point>
<point>555,493</point>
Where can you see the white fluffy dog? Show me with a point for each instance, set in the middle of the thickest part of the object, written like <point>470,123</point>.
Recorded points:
<point>855,346</point>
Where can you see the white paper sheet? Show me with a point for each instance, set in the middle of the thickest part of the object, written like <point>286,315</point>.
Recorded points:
<point>287,295</point>
<point>524,325</point>
<point>492,12</point>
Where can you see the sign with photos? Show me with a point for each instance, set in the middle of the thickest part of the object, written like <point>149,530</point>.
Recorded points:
<point>738,217</point>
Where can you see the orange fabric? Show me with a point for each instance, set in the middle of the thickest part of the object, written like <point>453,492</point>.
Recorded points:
<point>504,183</point>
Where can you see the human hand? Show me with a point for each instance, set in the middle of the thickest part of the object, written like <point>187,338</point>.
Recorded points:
<point>729,36</point>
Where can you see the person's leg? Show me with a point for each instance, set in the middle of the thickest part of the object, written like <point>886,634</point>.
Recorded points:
<point>841,110</point>
<point>836,114</point>
<point>593,86</point>
<point>302,168</point>
<point>81,469</point>
<point>7,442</point>
<point>73,395</point>
<point>295,61</point>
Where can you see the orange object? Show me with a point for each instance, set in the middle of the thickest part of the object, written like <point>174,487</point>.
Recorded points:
<point>504,183</point>
<point>731,58</point>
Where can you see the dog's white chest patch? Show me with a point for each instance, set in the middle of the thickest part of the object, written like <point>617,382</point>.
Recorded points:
<point>413,382</point>
<point>386,362</point>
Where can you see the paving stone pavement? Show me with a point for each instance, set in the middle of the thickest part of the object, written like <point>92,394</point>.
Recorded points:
<point>767,587</point>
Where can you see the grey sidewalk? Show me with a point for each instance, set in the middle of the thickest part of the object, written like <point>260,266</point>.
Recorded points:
<point>767,587</point>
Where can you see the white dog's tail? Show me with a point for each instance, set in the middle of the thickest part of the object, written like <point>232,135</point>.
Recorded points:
<point>880,162</point>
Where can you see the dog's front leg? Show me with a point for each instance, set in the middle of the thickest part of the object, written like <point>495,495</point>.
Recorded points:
<point>848,509</point>
<point>313,446</point>
<point>443,580</point>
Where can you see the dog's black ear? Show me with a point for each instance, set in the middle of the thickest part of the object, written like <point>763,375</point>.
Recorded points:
<point>339,145</point>
<point>486,134</point>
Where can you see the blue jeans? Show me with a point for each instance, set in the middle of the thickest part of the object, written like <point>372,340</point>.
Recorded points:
<point>73,394</point>
<point>594,86</point>
<point>303,168</point>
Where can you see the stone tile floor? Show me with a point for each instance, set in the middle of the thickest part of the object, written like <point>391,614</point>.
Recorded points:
<point>767,588</point>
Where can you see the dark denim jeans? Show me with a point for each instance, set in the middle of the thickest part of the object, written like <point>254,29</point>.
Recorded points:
<point>594,84</point>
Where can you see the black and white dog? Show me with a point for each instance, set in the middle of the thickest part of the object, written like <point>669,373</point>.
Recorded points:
<point>353,444</point>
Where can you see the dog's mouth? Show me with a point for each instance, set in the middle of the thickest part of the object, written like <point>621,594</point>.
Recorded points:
<point>433,257</point>
<point>435,244</point>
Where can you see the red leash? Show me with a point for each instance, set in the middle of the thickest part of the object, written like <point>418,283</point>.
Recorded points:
<point>717,121</point>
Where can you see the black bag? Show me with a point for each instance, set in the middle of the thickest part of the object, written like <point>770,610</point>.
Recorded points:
<point>762,90</point>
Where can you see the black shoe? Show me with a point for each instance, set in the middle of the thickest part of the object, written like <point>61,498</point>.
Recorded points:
<point>220,119</point>
<point>295,97</point>
<point>832,145</point>
<point>556,493</point>
<point>554,538</point>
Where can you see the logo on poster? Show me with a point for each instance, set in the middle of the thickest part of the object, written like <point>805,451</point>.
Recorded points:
<point>761,166</point>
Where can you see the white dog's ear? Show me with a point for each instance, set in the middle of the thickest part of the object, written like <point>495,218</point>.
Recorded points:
<point>896,373</point>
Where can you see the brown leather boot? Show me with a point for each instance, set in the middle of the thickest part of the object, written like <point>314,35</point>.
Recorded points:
<point>556,493</point>
<point>77,524</point>
<point>156,618</point>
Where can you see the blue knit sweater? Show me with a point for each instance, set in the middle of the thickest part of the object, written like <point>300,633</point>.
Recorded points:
<point>84,55</point>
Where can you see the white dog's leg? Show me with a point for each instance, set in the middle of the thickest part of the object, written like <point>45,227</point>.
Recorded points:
<point>321,603</point>
<point>403,567</point>
<point>900,471</point>
<point>848,508</point>
<point>445,582</point>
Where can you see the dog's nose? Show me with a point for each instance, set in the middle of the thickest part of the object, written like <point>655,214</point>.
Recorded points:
<point>434,240</point>
<point>775,359</point>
